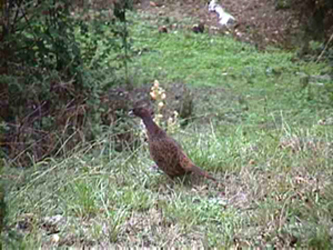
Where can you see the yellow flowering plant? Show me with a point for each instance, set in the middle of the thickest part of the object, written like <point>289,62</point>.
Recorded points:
<point>158,94</point>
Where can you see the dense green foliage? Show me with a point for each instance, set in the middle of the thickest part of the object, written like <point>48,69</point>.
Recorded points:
<point>54,67</point>
<point>316,21</point>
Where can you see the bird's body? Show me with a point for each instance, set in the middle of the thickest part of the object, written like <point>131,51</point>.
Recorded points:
<point>165,151</point>
<point>224,17</point>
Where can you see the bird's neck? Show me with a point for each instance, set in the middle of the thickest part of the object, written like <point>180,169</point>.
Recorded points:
<point>152,128</point>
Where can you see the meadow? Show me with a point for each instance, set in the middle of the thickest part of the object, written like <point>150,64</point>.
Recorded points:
<point>262,125</point>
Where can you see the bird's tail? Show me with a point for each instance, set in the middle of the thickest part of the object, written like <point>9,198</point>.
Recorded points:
<point>199,171</point>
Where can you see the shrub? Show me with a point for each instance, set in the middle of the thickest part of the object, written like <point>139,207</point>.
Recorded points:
<point>53,75</point>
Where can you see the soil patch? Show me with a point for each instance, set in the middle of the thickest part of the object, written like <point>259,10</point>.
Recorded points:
<point>258,21</point>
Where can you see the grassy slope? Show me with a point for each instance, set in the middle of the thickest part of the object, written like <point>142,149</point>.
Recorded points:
<point>252,114</point>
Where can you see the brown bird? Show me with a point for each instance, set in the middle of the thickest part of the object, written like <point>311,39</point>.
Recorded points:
<point>165,151</point>
<point>199,28</point>
<point>163,29</point>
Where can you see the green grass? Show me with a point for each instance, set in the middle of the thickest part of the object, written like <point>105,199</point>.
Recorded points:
<point>255,128</point>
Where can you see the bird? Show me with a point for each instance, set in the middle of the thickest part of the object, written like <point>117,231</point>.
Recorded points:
<point>163,29</point>
<point>165,151</point>
<point>199,28</point>
<point>224,18</point>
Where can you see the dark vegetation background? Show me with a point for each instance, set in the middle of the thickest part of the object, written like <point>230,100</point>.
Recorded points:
<point>56,93</point>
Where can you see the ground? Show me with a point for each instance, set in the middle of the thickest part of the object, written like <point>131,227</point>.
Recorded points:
<point>259,22</point>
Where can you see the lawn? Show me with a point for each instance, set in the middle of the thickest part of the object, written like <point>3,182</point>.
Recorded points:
<point>258,128</point>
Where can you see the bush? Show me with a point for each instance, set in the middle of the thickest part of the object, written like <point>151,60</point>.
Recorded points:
<point>53,74</point>
<point>316,19</point>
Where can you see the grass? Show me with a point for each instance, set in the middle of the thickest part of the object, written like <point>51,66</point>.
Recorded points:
<point>256,129</point>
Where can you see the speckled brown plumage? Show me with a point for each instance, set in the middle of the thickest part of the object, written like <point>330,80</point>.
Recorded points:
<point>165,151</point>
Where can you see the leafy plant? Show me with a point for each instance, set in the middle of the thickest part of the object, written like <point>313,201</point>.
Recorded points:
<point>119,11</point>
<point>58,64</point>
<point>159,95</point>
<point>2,201</point>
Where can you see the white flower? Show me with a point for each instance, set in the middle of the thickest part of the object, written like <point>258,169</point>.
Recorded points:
<point>153,95</point>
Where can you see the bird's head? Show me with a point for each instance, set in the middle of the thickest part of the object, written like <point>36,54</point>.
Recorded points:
<point>141,112</point>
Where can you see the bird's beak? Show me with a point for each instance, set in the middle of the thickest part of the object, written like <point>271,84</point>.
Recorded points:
<point>130,113</point>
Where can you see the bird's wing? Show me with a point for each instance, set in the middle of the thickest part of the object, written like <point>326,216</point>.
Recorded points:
<point>184,161</point>
<point>166,150</point>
